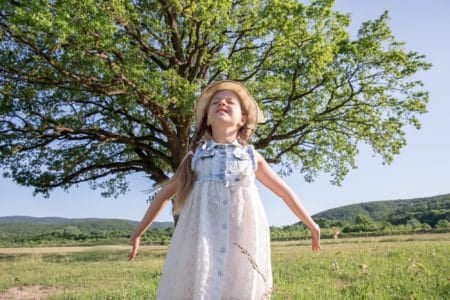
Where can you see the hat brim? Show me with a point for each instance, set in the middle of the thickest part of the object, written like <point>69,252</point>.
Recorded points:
<point>254,113</point>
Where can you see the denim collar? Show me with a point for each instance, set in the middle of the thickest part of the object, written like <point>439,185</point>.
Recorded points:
<point>211,144</point>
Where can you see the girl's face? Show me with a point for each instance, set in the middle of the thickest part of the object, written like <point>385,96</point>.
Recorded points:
<point>225,109</point>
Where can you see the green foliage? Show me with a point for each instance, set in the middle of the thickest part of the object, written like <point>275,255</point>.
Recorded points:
<point>443,224</point>
<point>94,91</point>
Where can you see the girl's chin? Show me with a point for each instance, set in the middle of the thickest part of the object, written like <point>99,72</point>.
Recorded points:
<point>222,122</point>
<point>221,114</point>
<point>220,117</point>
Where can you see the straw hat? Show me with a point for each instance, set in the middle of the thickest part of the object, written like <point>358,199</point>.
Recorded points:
<point>254,113</point>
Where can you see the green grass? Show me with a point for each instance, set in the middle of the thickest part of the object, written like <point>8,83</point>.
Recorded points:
<point>388,270</point>
<point>102,274</point>
<point>407,267</point>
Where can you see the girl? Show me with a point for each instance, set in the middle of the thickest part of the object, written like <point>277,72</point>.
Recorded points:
<point>221,247</point>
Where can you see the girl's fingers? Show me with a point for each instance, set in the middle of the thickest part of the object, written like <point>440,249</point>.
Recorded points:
<point>316,247</point>
<point>316,240</point>
<point>131,255</point>
<point>135,244</point>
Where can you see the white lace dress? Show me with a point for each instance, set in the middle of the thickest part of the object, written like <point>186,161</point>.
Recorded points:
<point>221,245</point>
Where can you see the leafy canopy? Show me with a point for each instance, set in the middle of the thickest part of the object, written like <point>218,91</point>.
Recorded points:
<point>92,91</point>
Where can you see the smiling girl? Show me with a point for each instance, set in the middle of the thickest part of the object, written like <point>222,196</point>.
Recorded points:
<point>220,248</point>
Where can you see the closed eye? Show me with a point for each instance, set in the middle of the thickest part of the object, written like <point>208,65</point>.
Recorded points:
<point>227,100</point>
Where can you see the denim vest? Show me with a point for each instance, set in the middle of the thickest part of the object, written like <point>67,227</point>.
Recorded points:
<point>232,164</point>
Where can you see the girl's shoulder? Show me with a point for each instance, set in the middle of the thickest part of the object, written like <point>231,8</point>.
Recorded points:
<point>251,151</point>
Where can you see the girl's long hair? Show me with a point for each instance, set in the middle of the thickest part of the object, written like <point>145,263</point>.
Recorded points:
<point>184,175</point>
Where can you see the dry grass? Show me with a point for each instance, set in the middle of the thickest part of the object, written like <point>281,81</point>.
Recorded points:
<point>35,292</point>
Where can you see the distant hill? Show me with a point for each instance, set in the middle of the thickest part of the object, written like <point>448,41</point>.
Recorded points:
<point>23,231</point>
<point>85,223</point>
<point>425,210</point>
<point>53,220</point>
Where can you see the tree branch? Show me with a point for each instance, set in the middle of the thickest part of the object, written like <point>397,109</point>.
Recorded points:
<point>171,22</point>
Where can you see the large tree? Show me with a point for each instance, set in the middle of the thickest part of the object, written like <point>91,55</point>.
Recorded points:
<point>92,91</point>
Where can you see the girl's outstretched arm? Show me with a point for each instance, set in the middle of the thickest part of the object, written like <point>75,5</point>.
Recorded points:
<point>272,181</point>
<point>167,192</point>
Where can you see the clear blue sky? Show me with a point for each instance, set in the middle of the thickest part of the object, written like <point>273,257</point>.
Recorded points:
<point>422,168</point>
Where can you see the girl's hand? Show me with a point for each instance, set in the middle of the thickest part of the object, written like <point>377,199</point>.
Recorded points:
<point>315,236</point>
<point>135,241</point>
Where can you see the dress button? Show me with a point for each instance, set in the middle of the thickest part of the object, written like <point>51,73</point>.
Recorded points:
<point>224,226</point>
<point>220,273</point>
<point>225,202</point>
<point>222,249</point>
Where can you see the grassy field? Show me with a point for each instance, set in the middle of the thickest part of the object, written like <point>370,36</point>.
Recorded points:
<point>394,267</point>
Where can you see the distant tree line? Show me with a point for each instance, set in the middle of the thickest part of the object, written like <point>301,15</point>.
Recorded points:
<point>73,235</point>
<point>426,215</point>
<point>363,225</point>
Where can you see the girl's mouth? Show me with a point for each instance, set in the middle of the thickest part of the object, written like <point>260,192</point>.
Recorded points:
<point>221,110</point>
